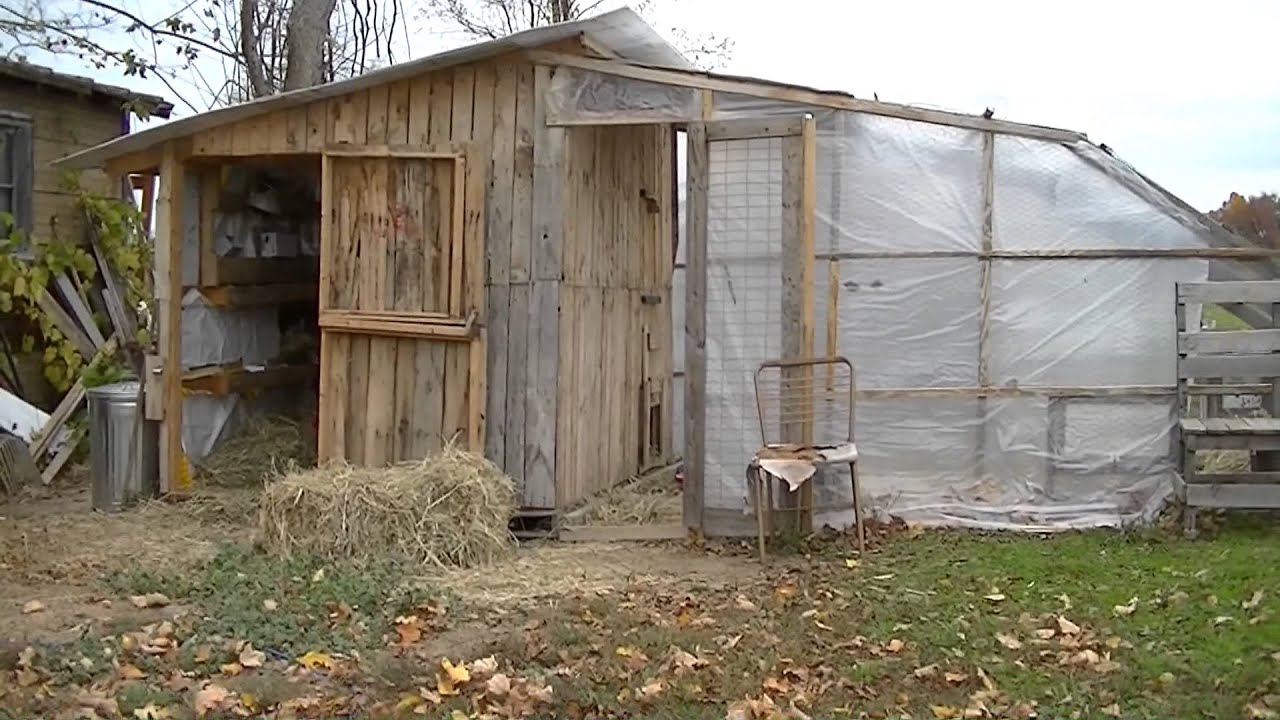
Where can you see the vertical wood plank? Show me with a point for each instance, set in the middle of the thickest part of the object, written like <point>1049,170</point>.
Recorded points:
<point>350,118</point>
<point>498,218</point>
<point>407,180</point>
<point>479,168</point>
<point>517,358</point>
<point>295,130</point>
<point>984,294</point>
<point>398,113</point>
<point>420,111</point>
<point>174,478</point>
<point>376,119</point>
<point>210,189</point>
<point>522,198</point>
<point>697,179</point>
<point>333,347</point>
<point>380,413</point>
<point>544,325</point>
<point>317,126</point>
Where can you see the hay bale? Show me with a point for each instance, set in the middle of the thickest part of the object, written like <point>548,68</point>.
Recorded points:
<point>266,446</point>
<point>449,510</point>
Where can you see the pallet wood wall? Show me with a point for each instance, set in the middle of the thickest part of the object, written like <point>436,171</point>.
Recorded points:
<point>546,284</point>
<point>615,354</point>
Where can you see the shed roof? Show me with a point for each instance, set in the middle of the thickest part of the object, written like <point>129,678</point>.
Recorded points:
<point>621,32</point>
<point>150,104</point>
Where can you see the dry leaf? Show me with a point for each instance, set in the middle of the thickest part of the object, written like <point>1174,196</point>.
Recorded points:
<point>165,630</point>
<point>317,576</point>
<point>1067,627</point>
<point>151,712</point>
<point>212,697</point>
<point>1065,600</point>
<point>625,651</point>
<point>409,629</point>
<point>895,645</point>
<point>27,677</point>
<point>269,605</point>
<point>315,660</point>
<point>685,662</point>
<point>1046,633</point>
<point>1127,609</point>
<point>498,685</point>
<point>851,563</point>
<point>994,596</point>
<point>538,693</point>
<point>33,606</point>
<point>231,669</point>
<point>1249,604</point>
<point>943,712</point>
<point>130,672</point>
<point>650,691</point>
<point>1009,641</point>
<point>483,668</point>
<point>955,678</point>
<point>150,600</point>
<point>1113,710</point>
<point>1223,620</point>
<point>250,658</point>
<point>203,654</point>
<point>744,604</point>
<point>927,671</point>
<point>98,703</point>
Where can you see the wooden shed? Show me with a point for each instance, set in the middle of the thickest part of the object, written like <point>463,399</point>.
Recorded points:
<point>475,274</point>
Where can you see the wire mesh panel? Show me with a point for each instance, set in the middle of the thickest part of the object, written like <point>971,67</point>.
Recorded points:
<point>744,304</point>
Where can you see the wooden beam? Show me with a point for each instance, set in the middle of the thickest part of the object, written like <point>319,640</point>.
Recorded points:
<point>1232,341</point>
<point>66,325</point>
<point>1253,365</point>
<point>984,293</point>
<point>265,271</point>
<point>228,380</point>
<point>66,408</point>
<point>623,533</point>
<point>174,477</point>
<point>143,162</point>
<point>801,96</point>
<point>257,295</point>
<point>1244,291</point>
<point>434,151</point>
<point>924,393</point>
<point>355,322</point>
<point>698,181</point>
<point>751,128</point>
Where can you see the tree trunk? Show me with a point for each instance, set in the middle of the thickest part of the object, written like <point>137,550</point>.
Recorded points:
<point>308,30</point>
<point>257,74</point>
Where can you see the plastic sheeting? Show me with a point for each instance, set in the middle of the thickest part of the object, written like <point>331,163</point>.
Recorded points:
<point>934,451</point>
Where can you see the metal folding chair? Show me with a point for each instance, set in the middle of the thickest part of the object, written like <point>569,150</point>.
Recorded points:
<point>806,411</point>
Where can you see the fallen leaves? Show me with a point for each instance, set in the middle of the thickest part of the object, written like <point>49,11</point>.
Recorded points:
<point>33,606</point>
<point>250,658</point>
<point>150,600</point>
<point>1254,601</point>
<point>131,672</point>
<point>1009,641</point>
<point>1066,627</point>
<point>895,646</point>
<point>1127,609</point>
<point>314,660</point>
<point>211,698</point>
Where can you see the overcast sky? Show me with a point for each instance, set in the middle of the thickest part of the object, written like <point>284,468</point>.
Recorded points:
<point>1184,91</point>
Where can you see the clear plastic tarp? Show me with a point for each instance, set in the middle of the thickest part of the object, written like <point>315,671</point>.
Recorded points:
<point>1051,408</point>
<point>1074,429</point>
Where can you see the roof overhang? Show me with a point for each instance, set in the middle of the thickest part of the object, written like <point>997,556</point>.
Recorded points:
<point>621,33</point>
<point>140,104</point>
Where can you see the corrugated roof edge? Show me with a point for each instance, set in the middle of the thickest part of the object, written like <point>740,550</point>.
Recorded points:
<point>152,104</point>
<point>621,31</point>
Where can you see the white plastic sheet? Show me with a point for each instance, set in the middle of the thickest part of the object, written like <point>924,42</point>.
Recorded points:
<point>1041,458</point>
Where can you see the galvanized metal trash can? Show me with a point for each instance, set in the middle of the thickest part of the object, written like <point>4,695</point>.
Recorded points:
<point>116,484</point>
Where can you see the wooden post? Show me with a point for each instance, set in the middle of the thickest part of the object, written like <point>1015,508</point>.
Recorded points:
<point>210,188</point>
<point>984,292</point>
<point>174,478</point>
<point>697,183</point>
<point>798,200</point>
<point>1270,460</point>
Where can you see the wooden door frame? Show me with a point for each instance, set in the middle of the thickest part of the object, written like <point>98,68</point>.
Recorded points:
<point>799,134</point>
<point>456,325</point>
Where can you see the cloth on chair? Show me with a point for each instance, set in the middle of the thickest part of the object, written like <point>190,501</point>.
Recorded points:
<point>797,463</point>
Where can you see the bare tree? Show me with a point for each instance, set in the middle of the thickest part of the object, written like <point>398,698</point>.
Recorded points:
<point>260,46</point>
<point>490,19</point>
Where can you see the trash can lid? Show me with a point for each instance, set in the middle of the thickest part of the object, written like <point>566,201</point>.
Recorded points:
<point>127,389</point>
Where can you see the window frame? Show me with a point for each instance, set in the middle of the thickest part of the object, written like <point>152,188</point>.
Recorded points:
<point>22,187</point>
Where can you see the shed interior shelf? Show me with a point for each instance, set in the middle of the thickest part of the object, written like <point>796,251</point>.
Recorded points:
<point>228,379</point>
<point>239,296</point>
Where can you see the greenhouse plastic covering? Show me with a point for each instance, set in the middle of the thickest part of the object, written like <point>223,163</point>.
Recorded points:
<point>1033,457</point>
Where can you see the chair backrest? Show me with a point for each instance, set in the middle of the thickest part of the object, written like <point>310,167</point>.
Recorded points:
<point>1233,362</point>
<point>807,402</point>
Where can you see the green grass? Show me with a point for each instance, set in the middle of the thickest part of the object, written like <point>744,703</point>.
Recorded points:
<point>318,605</point>
<point>1223,320</point>
<point>1188,649</point>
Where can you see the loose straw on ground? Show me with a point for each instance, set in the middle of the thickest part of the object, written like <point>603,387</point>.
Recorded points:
<point>449,510</point>
<point>264,447</point>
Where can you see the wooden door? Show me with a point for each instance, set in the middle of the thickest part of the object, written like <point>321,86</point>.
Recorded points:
<point>401,362</point>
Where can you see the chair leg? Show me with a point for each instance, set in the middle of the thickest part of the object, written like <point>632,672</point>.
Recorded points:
<point>857,509</point>
<point>757,489</point>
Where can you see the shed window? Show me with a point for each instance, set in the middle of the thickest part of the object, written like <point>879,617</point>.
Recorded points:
<point>16,177</point>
